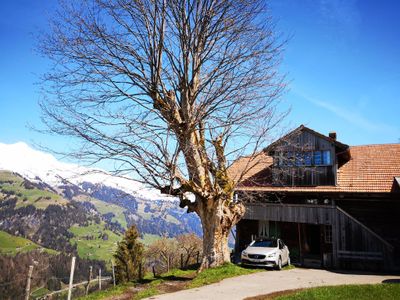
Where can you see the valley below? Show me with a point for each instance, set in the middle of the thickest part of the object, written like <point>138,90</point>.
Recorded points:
<point>46,217</point>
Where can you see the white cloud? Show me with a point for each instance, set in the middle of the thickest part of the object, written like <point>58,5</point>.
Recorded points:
<point>350,115</point>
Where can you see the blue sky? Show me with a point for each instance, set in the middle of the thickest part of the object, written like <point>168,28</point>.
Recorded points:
<point>342,62</point>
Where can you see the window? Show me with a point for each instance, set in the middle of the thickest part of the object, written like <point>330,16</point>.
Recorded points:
<point>300,159</point>
<point>322,158</point>
<point>326,157</point>
<point>307,159</point>
<point>264,243</point>
<point>280,244</point>
<point>317,158</point>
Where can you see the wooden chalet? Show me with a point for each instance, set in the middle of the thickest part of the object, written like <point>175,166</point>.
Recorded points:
<point>335,206</point>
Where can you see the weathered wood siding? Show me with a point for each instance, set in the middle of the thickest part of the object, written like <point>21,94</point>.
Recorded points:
<point>310,214</point>
<point>357,245</point>
<point>354,244</point>
<point>293,175</point>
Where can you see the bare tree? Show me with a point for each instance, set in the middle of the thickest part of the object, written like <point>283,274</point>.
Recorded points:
<point>189,245</point>
<point>171,91</point>
<point>163,254</point>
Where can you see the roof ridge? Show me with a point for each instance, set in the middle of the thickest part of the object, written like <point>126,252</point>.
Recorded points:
<point>373,145</point>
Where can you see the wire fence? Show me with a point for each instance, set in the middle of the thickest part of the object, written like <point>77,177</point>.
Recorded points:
<point>94,282</point>
<point>65,291</point>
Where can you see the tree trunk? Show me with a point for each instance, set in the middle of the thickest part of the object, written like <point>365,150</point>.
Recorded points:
<point>217,222</point>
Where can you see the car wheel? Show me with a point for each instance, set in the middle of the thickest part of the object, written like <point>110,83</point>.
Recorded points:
<point>279,265</point>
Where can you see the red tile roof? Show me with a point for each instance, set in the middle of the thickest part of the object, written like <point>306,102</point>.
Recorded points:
<point>372,168</point>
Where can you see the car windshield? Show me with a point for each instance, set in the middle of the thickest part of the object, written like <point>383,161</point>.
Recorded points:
<point>264,243</point>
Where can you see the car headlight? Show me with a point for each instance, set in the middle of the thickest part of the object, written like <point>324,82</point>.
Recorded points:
<point>244,253</point>
<point>272,255</point>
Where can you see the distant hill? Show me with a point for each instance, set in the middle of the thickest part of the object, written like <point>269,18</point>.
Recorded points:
<point>11,245</point>
<point>55,206</point>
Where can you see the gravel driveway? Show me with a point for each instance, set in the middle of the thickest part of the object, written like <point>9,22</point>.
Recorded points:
<point>272,281</point>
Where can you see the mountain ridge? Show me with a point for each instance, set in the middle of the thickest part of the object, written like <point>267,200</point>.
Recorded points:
<point>37,165</point>
<point>56,211</point>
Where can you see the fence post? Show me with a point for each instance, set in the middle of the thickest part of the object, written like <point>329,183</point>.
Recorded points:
<point>113,272</point>
<point>99,279</point>
<point>28,283</point>
<point>71,278</point>
<point>89,279</point>
<point>140,271</point>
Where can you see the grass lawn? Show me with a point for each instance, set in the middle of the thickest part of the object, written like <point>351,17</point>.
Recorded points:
<point>174,280</point>
<point>385,291</point>
<point>114,291</point>
<point>11,245</point>
<point>217,274</point>
<point>40,292</point>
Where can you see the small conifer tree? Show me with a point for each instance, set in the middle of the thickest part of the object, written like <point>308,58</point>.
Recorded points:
<point>128,257</point>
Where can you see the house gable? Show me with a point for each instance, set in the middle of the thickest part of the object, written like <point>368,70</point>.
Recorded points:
<point>306,158</point>
<point>369,169</point>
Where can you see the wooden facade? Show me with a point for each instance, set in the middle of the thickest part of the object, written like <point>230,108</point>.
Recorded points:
<point>304,160</point>
<point>335,206</point>
<point>344,242</point>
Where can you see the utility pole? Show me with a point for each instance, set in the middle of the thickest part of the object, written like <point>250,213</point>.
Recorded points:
<point>28,283</point>
<point>71,278</point>
<point>113,272</point>
<point>99,279</point>
<point>89,279</point>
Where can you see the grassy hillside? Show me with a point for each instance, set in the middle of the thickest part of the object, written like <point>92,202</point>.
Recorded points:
<point>156,211</point>
<point>104,208</point>
<point>12,185</point>
<point>12,245</point>
<point>94,241</point>
<point>149,238</point>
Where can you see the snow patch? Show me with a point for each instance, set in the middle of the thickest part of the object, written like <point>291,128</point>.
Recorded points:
<point>36,165</point>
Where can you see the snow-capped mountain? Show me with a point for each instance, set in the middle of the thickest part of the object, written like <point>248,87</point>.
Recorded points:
<point>44,200</point>
<point>37,165</point>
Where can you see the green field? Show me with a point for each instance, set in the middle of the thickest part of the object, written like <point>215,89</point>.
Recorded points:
<point>40,292</point>
<point>104,207</point>
<point>11,245</point>
<point>118,211</point>
<point>90,243</point>
<point>41,199</point>
<point>142,213</point>
<point>159,212</point>
<point>149,238</point>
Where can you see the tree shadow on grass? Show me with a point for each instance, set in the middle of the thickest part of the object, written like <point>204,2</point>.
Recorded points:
<point>394,280</point>
<point>176,278</point>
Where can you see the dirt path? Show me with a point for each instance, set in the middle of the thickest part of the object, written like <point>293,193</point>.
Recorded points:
<point>269,282</point>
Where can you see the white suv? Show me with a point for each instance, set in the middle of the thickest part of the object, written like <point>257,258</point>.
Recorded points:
<point>266,252</point>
